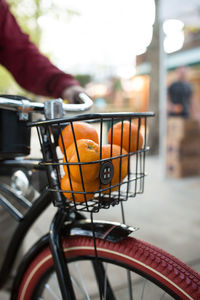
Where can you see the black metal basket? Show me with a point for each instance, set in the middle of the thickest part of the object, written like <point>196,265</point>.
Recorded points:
<point>93,175</point>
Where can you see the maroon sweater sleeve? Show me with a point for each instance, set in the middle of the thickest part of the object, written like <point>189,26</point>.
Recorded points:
<point>32,70</point>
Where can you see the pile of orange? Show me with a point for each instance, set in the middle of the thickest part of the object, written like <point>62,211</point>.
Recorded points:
<point>130,139</point>
<point>79,142</point>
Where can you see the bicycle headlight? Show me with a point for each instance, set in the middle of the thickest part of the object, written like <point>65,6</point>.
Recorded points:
<point>20,183</point>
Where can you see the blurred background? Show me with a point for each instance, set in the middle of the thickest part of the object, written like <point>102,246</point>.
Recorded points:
<point>127,54</point>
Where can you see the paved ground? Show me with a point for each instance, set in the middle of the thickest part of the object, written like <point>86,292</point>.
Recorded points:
<point>167,214</point>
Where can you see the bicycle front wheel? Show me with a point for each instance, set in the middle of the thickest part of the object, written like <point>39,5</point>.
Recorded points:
<point>152,273</point>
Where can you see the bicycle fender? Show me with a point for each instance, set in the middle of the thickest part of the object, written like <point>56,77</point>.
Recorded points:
<point>111,231</point>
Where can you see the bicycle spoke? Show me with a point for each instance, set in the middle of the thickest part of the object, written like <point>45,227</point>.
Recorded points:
<point>105,281</point>
<point>143,288</point>
<point>79,288</point>
<point>84,289</point>
<point>130,285</point>
<point>47,286</point>
<point>163,295</point>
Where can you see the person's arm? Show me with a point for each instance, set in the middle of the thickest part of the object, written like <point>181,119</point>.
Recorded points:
<point>32,70</point>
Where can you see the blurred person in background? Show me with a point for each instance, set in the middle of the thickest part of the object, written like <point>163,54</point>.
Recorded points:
<point>180,97</point>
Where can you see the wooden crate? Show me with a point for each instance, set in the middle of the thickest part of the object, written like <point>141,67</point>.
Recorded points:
<point>179,128</point>
<point>187,146</point>
<point>183,167</point>
<point>183,147</point>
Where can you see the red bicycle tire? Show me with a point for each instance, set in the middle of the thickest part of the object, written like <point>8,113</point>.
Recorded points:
<point>144,258</point>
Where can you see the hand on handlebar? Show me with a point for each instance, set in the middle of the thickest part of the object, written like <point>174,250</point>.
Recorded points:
<point>71,94</point>
<point>80,102</point>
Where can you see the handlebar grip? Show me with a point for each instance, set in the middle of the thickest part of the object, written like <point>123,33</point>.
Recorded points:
<point>86,103</point>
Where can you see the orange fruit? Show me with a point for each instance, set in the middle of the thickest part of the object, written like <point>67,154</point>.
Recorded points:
<point>127,126</point>
<point>77,187</point>
<point>88,151</point>
<point>82,130</point>
<point>119,174</point>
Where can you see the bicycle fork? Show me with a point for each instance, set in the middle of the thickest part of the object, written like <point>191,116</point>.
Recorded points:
<point>113,232</point>
<point>58,255</point>
<point>61,267</point>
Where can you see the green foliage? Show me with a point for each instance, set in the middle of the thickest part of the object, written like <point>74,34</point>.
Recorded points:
<point>83,79</point>
<point>27,13</point>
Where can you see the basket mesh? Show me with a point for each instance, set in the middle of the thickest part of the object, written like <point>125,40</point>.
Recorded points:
<point>88,182</point>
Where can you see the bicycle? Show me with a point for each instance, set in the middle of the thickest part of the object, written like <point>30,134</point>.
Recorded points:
<point>52,268</point>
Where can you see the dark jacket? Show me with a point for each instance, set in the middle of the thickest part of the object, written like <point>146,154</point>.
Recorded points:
<point>180,92</point>
<point>32,70</point>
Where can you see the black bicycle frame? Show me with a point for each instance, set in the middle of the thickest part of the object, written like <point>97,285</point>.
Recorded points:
<point>108,231</point>
<point>35,209</point>
<point>60,265</point>
<point>21,230</point>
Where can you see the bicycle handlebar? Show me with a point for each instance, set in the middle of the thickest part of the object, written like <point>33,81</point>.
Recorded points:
<point>85,105</point>
<point>26,105</point>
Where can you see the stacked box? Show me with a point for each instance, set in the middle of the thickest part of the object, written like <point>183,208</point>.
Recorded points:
<point>183,147</point>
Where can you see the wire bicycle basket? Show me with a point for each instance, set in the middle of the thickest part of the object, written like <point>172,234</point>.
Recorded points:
<point>95,160</point>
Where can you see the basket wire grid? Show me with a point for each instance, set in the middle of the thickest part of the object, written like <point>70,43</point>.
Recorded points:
<point>106,194</point>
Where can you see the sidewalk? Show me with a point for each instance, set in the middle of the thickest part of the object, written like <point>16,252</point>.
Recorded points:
<point>167,215</point>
